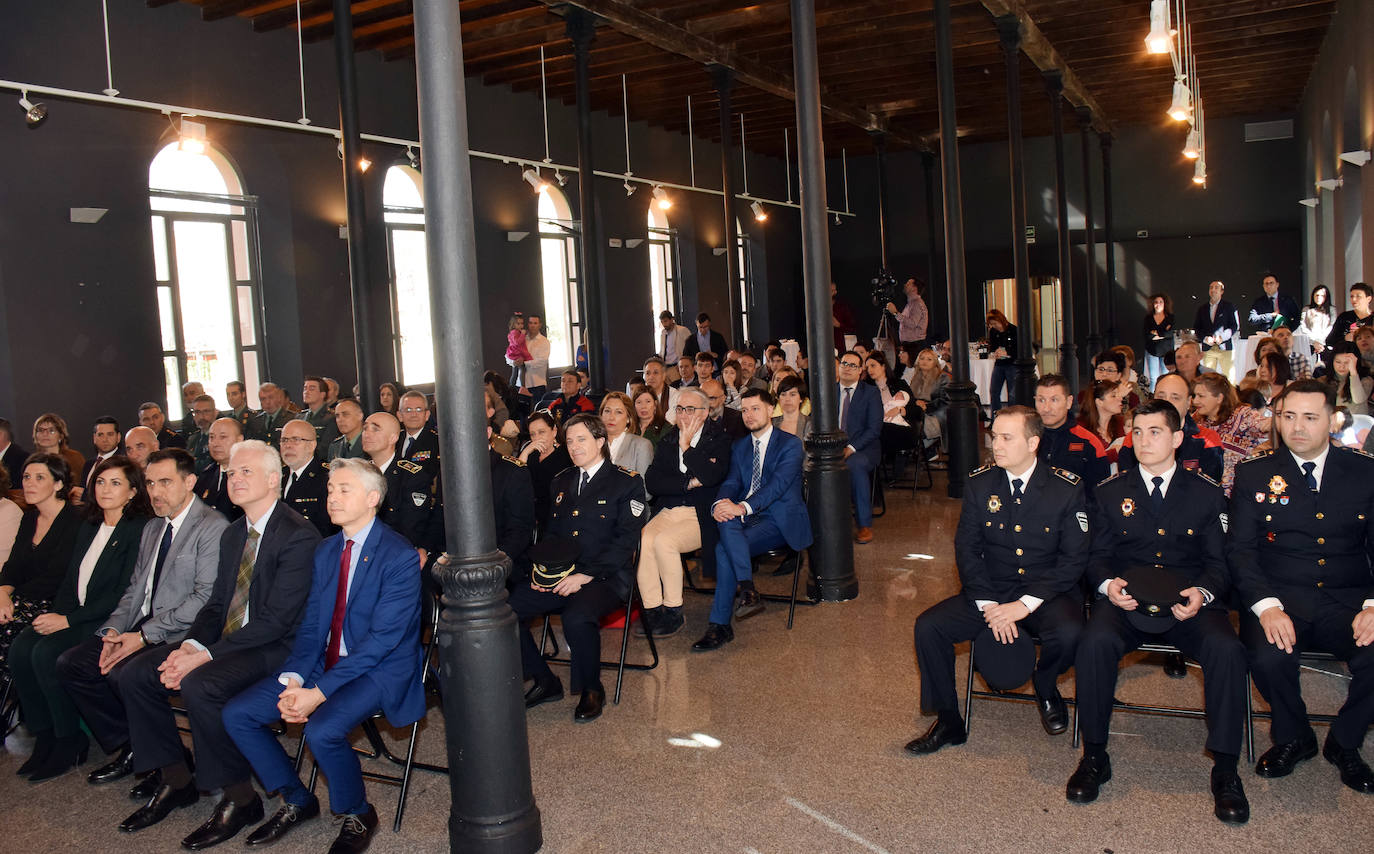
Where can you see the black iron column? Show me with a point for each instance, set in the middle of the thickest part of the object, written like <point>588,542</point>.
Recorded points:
<point>581,30</point>
<point>932,242</point>
<point>832,556</point>
<point>1085,126</point>
<point>725,83</point>
<point>965,442</point>
<point>359,275</point>
<point>1068,351</point>
<point>880,150</point>
<point>1109,236</point>
<point>492,802</point>
<point>1009,32</point>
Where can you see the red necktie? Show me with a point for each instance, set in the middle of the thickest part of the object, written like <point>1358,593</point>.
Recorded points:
<point>331,655</point>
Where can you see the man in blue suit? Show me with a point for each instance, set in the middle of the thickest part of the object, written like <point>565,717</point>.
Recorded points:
<point>759,507</point>
<point>861,418</point>
<point>357,651</point>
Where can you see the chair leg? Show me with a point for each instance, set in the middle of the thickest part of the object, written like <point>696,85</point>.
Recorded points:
<point>405,778</point>
<point>548,637</point>
<point>968,693</point>
<point>625,643</point>
<point>796,579</point>
<point>1249,719</point>
<point>1076,733</point>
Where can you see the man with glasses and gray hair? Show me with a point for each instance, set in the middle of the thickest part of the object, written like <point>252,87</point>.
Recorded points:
<point>690,462</point>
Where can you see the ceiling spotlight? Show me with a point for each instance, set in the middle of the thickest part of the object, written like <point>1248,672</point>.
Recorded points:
<point>34,114</point>
<point>1330,184</point>
<point>629,188</point>
<point>560,178</point>
<point>661,196</point>
<point>1200,173</point>
<point>191,136</point>
<point>1193,147</point>
<point>1160,39</point>
<point>363,162</point>
<point>837,218</point>
<point>1355,158</point>
<point>1309,203</point>
<point>1182,106</point>
<point>532,177</point>
<point>412,157</point>
<point>760,214</point>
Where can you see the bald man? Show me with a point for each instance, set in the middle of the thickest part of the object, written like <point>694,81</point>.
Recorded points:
<point>139,442</point>
<point>410,506</point>
<point>212,486</point>
<point>348,418</point>
<point>304,479</point>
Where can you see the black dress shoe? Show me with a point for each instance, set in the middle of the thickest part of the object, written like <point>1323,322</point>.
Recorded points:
<point>543,692</point>
<point>117,769</point>
<point>939,734</point>
<point>42,746</point>
<point>1229,796</point>
<point>1174,665</point>
<point>283,822</point>
<point>224,824</point>
<point>716,637</point>
<point>68,752</point>
<point>590,705</point>
<point>355,833</point>
<point>750,604</point>
<point>1053,715</point>
<point>1281,759</point>
<point>1354,772</point>
<point>163,801</point>
<point>147,787</point>
<point>1092,772</point>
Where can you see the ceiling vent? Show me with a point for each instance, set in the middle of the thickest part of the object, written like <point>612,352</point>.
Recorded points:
<point>1265,131</point>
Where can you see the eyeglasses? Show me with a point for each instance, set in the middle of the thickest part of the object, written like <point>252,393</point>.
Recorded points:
<point>683,410</point>
<point>413,409</point>
<point>294,440</point>
<point>849,364</point>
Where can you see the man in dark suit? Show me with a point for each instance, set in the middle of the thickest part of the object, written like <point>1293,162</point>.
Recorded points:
<point>600,507</point>
<point>178,560</point>
<point>241,636</point>
<point>1021,548</point>
<point>12,456</point>
<point>726,418</point>
<point>861,418</point>
<point>706,340</point>
<point>105,437</point>
<point>212,486</point>
<point>1217,327</point>
<point>150,415</point>
<point>1302,536</point>
<point>357,651</point>
<point>1156,519</point>
<point>758,507</point>
<point>304,479</point>
<point>1272,308</point>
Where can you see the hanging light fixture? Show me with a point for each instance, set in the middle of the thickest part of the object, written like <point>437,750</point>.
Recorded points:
<point>191,137</point>
<point>532,177</point>
<point>1182,105</point>
<point>760,212</point>
<point>661,196</point>
<point>1191,148</point>
<point>1161,38</point>
<point>1200,172</point>
<point>412,157</point>
<point>363,163</point>
<point>34,114</point>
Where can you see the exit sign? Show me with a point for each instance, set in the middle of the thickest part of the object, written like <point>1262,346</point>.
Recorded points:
<point>1030,234</point>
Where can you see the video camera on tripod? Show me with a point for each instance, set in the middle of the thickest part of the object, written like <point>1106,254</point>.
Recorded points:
<point>884,289</point>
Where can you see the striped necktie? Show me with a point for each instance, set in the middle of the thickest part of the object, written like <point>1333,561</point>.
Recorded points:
<point>756,479</point>
<point>238,606</point>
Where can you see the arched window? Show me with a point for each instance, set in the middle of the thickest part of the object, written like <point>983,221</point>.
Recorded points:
<point>558,255</point>
<point>205,261</point>
<point>663,284</point>
<point>403,211</point>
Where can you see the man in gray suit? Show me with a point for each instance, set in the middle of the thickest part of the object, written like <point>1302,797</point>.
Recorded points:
<point>178,562</point>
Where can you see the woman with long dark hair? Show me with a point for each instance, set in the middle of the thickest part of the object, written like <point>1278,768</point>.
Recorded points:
<point>1002,346</point>
<point>1318,316</point>
<point>545,457</point>
<point>389,397</point>
<point>1100,412</point>
<point>648,421</point>
<point>1159,335</point>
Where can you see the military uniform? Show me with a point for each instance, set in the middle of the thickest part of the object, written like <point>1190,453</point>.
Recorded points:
<point>214,490</point>
<point>512,501</point>
<point>307,495</point>
<point>1073,447</point>
<point>198,446</point>
<point>169,438</point>
<point>247,419</point>
<point>1311,552</point>
<point>326,430</point>
<point>1188,536</point>
<point>423,449</point>
<point>605,519</point>
<point>342,448</point>
<point>411,507</point>
<point>268,426</point>
<point>1201,451</point>
<point>1008,548</point>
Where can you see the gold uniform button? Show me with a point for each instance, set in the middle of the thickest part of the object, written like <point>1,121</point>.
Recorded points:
<point>574,512</point>
<point>574,533</point>
<point>1159,554</point>
<point>1190,532</point>
<point>1020,572</point>
<point>1321,561</point>
<point>1321,583</point>
<point>1268,518</point>
<point>1321,515</point>
<point>1047,530</point>
<point>988,524</point>
<point>1160,532</point>
<point>1360,517</point>
<point>1321,541</point>
<point>1017,529</point>
<point>1019,552</point>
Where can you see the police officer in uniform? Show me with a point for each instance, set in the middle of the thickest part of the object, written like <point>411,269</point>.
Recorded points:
<point>212,486</point>
<point>410,507</point>
<point>600,507</point>
<point>348,419</point>
<point>1066,444</point>
<point>304,479</point>
<point>1159,520</point>
<point>512,503</point>
<point>1021,547</point>
<point>418,442</point>
<point>1201,449</point>
<point>315,394</point>
<point>1302,535</point>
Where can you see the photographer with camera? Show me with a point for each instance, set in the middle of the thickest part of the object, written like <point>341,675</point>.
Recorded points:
<point>914,317</point>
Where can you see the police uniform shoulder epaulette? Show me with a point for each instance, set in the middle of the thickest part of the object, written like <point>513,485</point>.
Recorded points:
<point>630,472</point>
<point>1362,452</point>
<point>407,465</point>
<point>324,464</point>
<point>1206,478</point>
<point>1116,476</point>
<point>982,470</point>
<point>1258,455</point>
<point>508,458</point>
<point>1066,474</point>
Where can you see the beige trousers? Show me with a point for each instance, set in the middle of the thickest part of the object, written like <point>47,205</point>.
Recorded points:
<point>662,543</point>
<point>1219,361</point>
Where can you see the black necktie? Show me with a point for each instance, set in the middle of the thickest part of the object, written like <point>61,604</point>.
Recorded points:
<point>583,484</point>
<point>1016,489</point>
<point>1157,494</point>
<point>1308,470</point>
<point>162,550</point>
<point>405,449</point>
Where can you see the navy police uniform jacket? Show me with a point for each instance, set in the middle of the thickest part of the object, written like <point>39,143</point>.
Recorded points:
<point>512,500</point>
<point>1038,547</point>
<point>1075,448</point>
<point>307,495</point>
<point>411,507</point>
<point>1309,550</point>
<point>214,491</point>
<point>605,520</point>
<point>424,449</point>
<point>1201,451</point>
<point>1187,536</point>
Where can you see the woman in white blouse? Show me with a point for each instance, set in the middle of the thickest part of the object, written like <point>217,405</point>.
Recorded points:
<point>107,547</point>
<point>628,450</point>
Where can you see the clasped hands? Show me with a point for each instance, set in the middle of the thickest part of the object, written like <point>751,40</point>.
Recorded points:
<point>1002,619</point>
<point>725,510</point>
<point>1116,592</point>
<point>567,585</point>
<point>182,661</point>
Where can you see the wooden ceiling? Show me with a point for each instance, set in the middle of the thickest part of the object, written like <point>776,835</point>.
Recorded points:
<point>876,58</point>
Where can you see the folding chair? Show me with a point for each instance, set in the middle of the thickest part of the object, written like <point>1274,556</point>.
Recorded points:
<point>783,554</point>
<point>620,665</point>
<point>1305,658</point>
<point>1010,696</point>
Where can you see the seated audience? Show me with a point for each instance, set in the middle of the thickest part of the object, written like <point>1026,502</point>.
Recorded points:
<point>748,372</point>
<point>1132,383</point>
<point>545,457</point>
<point>50,437</point>
<point>389,397</point>
<point>1201,448</point>
<point>1065,443</point>
<point>1350,381</point>
<point>730,374</point>
<point>212,486</point>
<point>1242,429</point>
<point>106,547</point>
<point>729,419</point>
<point>1100,413</point>
<point>792,414</point>
<point>357,650</point>
<point>705,367</point>
<point>656,381</point>
<point>1187,362</point>
<point>648,421</point>
<point>10,517</point>
<point>1271,375</point>
<point>1298,364</point>
<point>687,372</point>
<point>861,419</point>
<point>150,415</point>
<point>348,420</point>
<point>139,442</point>
<point>106,439</point>
<point>897,433</point>
<point>570,400</point>
<point>410,505</point>
<point>628,449</point>
<point>1111,365</point>
<point>304,478</point>
<point>930,394</point>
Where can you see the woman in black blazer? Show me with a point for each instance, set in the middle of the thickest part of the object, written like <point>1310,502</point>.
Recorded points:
<point>42,548</point>
<point>102,562</point>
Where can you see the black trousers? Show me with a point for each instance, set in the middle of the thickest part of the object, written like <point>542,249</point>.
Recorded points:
<point>1276,675</point>
<point>97,695</point>
<point>153,728</point>
<point>582,613</point>
<point>1206,638</point>
<point>1058,622</point>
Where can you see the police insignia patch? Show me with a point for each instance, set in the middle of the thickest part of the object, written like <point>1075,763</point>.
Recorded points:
<point>1082,520</point>
<point>1127,507</point>
<point>1225,523</point>
<point>994,504</point>
<point>637,508</point>
<point>418,498</point>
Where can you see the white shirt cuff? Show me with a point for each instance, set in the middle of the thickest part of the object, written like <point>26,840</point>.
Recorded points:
<point>980,604</point>
<point>200,646</point>
<point>851,448</point>
<point>1368,603</point>
<point>747,509</point>
<point>285,678</point>
<point>1207,597</point>
<point>1265,604</point>
<point>1031,602</point>
<point>1102,588</point>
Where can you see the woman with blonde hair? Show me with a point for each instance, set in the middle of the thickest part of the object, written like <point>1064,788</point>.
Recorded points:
<point>629,450</point>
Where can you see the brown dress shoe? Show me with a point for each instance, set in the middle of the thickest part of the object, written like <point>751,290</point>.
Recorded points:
<point>864,536</point>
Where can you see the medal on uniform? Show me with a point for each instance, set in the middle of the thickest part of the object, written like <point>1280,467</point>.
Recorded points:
<point>994,504</point>
<point>1277,484</point>
<point>1127,507</point>
<point>1259,497</point>
<point>559,499</point>
<point>1283,499</point>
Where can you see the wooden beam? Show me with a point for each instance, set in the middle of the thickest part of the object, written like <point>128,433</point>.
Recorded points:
<point>1038,48</point>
